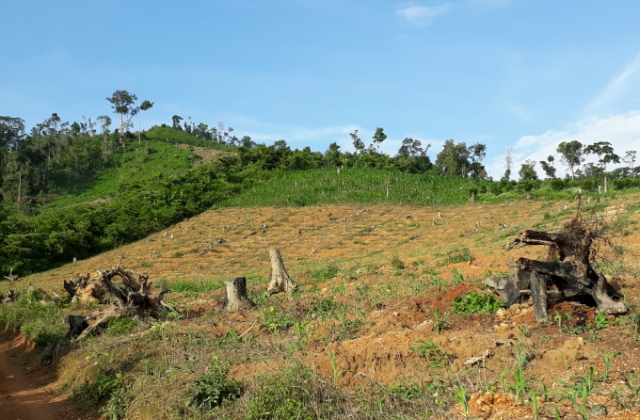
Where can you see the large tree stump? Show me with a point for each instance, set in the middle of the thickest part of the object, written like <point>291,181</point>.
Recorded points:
<point>279,280</point>
<point>567,275</point>
<point>237,298</point>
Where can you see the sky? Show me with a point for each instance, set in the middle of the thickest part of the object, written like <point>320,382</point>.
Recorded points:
<point>521,74</point>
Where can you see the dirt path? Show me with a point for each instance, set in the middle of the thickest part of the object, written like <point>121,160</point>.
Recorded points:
<point>26,389</point>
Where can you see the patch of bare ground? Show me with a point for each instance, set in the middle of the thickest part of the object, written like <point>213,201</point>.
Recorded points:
<point>206,155</point>
<point>27,389</point>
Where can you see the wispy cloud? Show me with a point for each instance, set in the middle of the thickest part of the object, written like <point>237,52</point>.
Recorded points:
<point>422,15</point>
<point>618,87</point>
<point>622,131</point>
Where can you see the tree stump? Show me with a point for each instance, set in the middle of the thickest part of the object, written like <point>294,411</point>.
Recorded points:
<point>237,298</point>
<point>567,275</point>
<point>279,280</point>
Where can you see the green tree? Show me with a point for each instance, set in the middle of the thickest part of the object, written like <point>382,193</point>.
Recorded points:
<point>379,136</point>
<point>358,144</point>
<point>630,160</point>
<point>11,135</point>
<point>571,155</point>
<point>176,122</point>
<point>527,171</point>
<point>605,153</point>
<point>548,168</point>
<point>454,158</point>
<point>124,104</point>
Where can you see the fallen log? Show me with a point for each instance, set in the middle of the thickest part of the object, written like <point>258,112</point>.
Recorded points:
<point>566,275</point>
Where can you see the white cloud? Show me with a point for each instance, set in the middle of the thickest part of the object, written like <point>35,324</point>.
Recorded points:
<point>622,131</point>
<point>422,15</point>
<point>619,87</point>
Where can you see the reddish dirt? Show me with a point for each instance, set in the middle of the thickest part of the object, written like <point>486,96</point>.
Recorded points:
<point>26,390</point>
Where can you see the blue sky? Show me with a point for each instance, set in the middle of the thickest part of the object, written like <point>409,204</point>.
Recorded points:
<point>509,73</point>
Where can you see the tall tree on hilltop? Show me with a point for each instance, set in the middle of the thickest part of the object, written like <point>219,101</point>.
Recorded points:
<point>454,158</point>
<point>630,159</point>
<point>604,151</point>
<point>527,171</point>
<point>571,155</point>
<point>548,168</point>
<point>358,144</point>
<point>11,134</point>
<point>123,104</point>
<point>379,136</point>
<point>508,165</point>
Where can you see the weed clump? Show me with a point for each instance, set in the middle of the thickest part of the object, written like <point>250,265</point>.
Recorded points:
<point>474,303</point>
<point>214,388</point>
<point>293,392</point>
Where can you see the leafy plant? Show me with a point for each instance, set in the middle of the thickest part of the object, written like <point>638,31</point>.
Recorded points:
<point>274,319</point>
<point>214,388</point>
<point>476,303</point>
<point>428,349</point>
<point>119,326</point>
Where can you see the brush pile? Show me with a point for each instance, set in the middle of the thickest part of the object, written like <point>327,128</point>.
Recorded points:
<point>133,298</point>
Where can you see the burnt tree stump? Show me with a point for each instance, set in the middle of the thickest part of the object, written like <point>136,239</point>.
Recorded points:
<point>566,275</point>
<point>279,280</point>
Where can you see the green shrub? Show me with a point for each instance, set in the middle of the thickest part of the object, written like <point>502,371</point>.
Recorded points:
<point>474,303</point>
<point>275,320</point>
<point>326,273</point>
<point>557,184</point>
<point>214,388</point>
<point>293,392</point>
<point>324,308</point>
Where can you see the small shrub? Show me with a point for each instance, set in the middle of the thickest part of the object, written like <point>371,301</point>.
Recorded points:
<point>474,303</point>
<point>397,263</point>
<point>428,350</point>
<point>557,184</point>
<point>274,319</point>
<point>177,255</point>
<point>326,273</point>
<point>293,392</point>
<point>214,388</point>
<point>324,308</point>
<point>459,255</point>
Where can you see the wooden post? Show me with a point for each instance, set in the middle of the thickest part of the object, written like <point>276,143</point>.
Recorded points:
<point>279,280</point>
<point>605,184</point>
<point>237,298</point>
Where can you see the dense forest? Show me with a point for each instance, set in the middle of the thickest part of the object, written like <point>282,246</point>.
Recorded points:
<point>71,190</point>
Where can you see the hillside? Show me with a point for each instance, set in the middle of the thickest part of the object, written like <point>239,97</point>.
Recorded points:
<point>374,281</point>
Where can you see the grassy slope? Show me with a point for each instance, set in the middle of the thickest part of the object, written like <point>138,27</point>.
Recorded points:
<point>326,186</point>
<point>148,159</point>
<point>354,273</point>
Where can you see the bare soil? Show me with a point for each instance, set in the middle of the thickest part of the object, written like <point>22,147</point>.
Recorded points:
<point>27,388</point>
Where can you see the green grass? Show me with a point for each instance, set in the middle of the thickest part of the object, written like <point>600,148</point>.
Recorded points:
<point>474,303</point>
<point>326,186</point>
<point>149,159</point>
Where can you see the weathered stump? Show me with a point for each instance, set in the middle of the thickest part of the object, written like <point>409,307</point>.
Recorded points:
<point>279,280</point>
<point>237,298</point>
